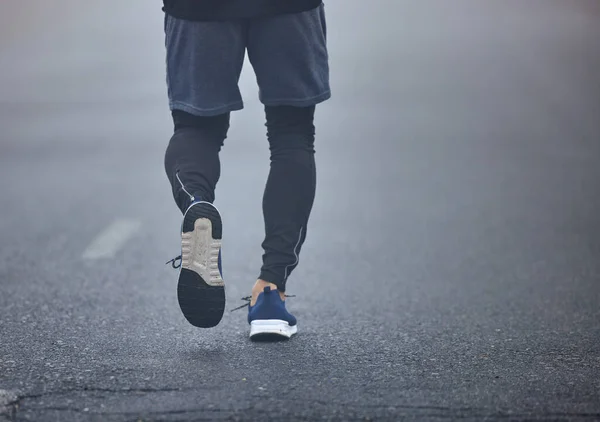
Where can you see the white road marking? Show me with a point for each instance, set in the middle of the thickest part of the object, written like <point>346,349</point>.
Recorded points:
<point>113,238</point>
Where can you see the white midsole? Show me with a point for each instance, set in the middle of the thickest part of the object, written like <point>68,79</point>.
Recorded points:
<point>272,326</point>
<point>200,252</point>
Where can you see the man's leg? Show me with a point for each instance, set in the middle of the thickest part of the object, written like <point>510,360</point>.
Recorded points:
<point>290,59</point>
<point>289,192</point>
<point>204,61</point>
<point>192,157</point>
<point>289,56</point>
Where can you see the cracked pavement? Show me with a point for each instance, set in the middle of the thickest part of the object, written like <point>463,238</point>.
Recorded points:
<point>452,266</point>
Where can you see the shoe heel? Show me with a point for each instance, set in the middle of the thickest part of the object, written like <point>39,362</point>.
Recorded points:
<point>271,328</point>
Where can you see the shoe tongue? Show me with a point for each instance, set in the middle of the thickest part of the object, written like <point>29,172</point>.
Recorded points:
<point>267,289</point>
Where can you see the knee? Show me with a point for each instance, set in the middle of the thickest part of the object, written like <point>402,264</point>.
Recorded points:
<point>213,127</point>
<point>290,128</point>
<point>286,120</point>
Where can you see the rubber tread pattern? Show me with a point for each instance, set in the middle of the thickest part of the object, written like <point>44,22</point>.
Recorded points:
<point>202,305</point>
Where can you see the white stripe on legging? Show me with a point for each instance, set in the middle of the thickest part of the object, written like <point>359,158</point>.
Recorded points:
<point>183,187</point>
<point>295,254</point>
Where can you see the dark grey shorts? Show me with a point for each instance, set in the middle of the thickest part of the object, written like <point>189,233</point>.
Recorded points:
<point>288,54</point>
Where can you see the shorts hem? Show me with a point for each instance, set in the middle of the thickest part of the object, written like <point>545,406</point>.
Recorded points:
<point>305,102</point>
<point>176,105</point>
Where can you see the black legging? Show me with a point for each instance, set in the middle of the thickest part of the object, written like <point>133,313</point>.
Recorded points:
<point>193,167</point>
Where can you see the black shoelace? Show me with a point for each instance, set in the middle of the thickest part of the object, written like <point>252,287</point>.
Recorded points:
<point>248,299</point>
<point>174,262</point>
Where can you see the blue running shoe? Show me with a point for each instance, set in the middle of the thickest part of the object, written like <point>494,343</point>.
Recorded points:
<point>268,318</point>
<point>201,290</point>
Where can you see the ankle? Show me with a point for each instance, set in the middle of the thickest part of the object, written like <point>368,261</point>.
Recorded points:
<point>259,287</point>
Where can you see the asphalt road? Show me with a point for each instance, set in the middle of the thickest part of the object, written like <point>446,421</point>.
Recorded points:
<point>452,268</point>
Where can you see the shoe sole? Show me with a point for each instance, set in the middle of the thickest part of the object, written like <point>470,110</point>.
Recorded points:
<point>271,330</point>
<point>201,290</point>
